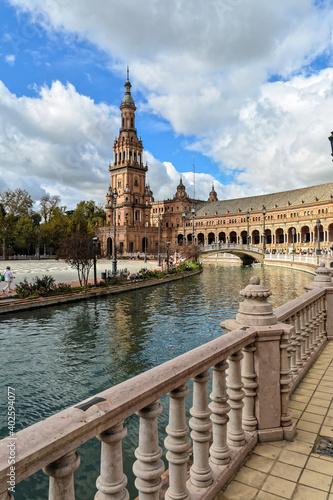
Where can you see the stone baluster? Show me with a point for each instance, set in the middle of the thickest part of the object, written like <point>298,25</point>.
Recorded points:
<point>316,319</point>
<point>219,451</point>
<point>272,379</point>
<point>322,318</point>
<point>200,423</point>
<point>299,339</point>
<point>149,467</point>
<point>289,348</point>
<point>323,279</point>
<point>312,326</point>
<point>307,332</point>
<point>236,434</point>
<point>303,333</point>
<point>112,481</point>
<point>293,350</point>
<point>61,472</point>
<point>285,380</point>
<point>249,380</point>
<point>177,443</point>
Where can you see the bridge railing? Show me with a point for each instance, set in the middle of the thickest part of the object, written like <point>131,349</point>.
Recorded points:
<point>231,246</point>
<point>253,371</point>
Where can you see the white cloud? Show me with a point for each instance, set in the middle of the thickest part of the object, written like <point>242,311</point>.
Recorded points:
<point>59,140</point>
<point>206,69</point>
<point>10,59</point>
<point>280,138</point>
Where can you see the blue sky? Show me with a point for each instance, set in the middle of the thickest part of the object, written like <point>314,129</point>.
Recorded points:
<point>242,88</point>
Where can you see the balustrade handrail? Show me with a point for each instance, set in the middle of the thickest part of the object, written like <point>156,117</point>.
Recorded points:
<point>292,307</point>
<point>50,439</point>
<point>231,246</point>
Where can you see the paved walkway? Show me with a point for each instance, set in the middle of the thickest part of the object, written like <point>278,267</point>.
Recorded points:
<point>62,272</point>
<point>293,470</point>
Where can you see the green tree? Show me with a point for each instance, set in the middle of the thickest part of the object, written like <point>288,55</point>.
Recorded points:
<point>7,228</point>
<point>86,216</point>
<point>48,204</point>
<point>16,202</point>
<point>77,251</point>
<point>55,230</point>
<point>25,235</point>
<point>190,252</point>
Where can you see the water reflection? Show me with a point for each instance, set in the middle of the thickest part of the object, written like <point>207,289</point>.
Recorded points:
<point>57,357</point>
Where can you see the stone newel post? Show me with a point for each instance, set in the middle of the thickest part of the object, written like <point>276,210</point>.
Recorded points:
<point>271,363</point>
<point>323,279</point>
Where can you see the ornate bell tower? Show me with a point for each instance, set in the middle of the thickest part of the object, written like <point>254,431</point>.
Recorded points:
<point>128,174</point>
<point>213,194</point>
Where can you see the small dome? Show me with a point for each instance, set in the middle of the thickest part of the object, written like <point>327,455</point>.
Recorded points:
<point>127,99</point>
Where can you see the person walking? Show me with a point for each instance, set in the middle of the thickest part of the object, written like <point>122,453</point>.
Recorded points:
<point>8,279</point>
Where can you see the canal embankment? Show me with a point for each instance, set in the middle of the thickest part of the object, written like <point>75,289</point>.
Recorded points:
<point>13,304</point>
<point>305,265</point>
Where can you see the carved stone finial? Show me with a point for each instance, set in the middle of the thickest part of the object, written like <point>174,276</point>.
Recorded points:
<point>256,310</point>
<point>323,276</point>
<point>255,280</point>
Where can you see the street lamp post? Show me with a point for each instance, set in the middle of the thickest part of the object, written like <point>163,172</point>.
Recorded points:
<point>331,141</point>
<point>159,240</point>
<point>168,245</point>
<point>114,257</point>
<point>263,229</point>
<point>248,229</point>
<point>184,215</point>
<point>193,212</point>
<point>293,231</point>
<point>38,243</point>
<point>145,260</point>
<point>318,236</point>
<point>94,240</point>
<point>109,245</point>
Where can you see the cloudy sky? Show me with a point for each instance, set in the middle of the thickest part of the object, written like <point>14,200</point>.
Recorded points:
<point>243,89</point>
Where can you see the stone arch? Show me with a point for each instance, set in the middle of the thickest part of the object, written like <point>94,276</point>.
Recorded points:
<point>211,238</point>
<point>330,232</point>
<point>243,237</point>
<point>255,237</point>
<point>290,235</point>
<point>109,246</point>
<point>305,234</point>
<point>232,237</point>
<point>201,239</point>
<point>144,244</point>
<point>268,236</point>
<point>279,234</point>
<point>321,233</point>
<point>222,237</point>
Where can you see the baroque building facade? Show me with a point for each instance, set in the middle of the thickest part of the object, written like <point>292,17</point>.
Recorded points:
<point>281,221</point>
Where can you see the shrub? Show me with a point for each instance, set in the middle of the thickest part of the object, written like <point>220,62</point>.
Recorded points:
<point>40,287</point>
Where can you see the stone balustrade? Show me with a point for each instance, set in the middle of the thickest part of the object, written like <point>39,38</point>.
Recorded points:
<point>254,368</point>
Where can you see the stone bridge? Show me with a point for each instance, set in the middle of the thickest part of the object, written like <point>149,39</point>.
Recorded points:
<point>246,253</point>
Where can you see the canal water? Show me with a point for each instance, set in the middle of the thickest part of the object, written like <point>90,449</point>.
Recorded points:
<point>59,356</point>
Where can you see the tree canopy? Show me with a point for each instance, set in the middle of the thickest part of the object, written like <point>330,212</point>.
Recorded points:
<point>22,228</point>
<point>77,251</point>
<point>17,202</point>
